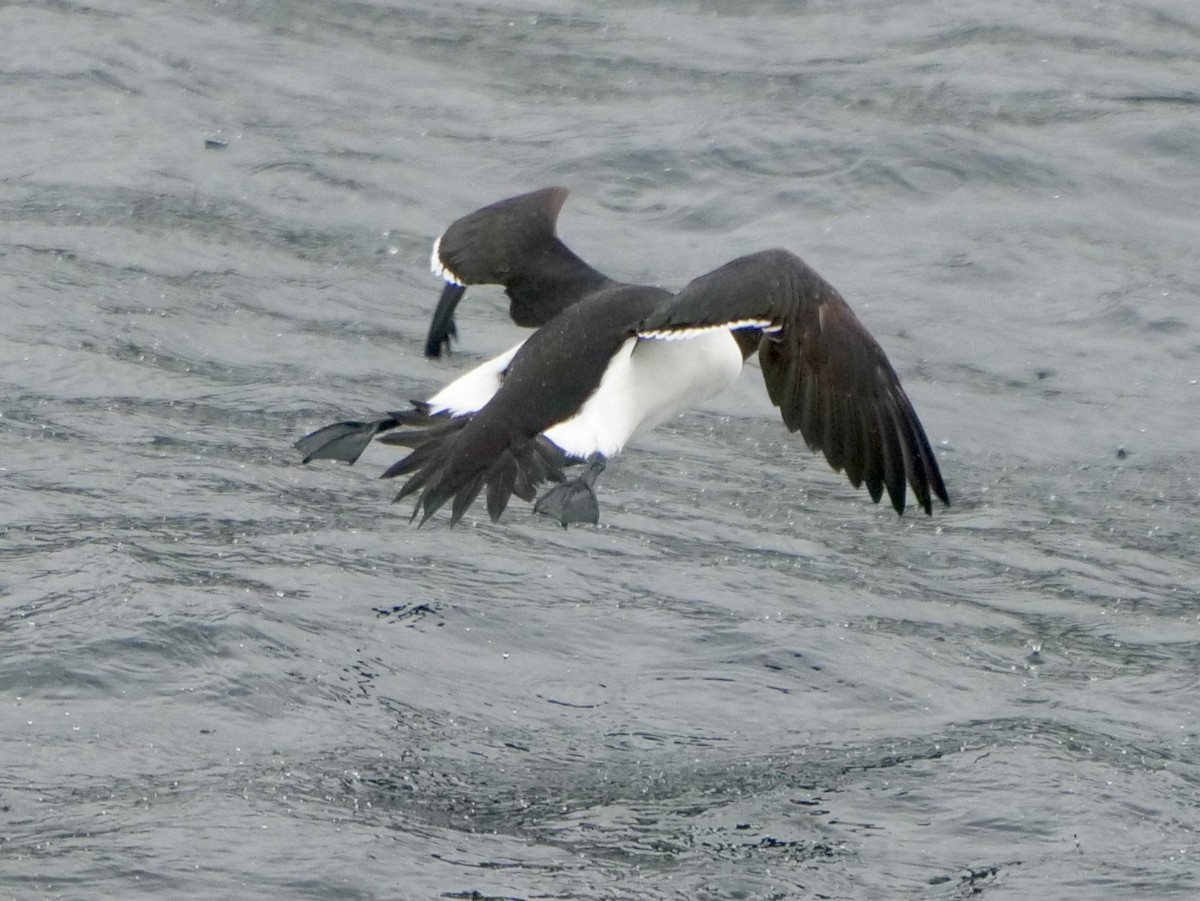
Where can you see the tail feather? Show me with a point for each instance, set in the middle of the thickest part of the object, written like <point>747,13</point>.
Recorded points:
<point>500,487</point>
<point>424,428</point>
<point>432,447</point>
<point>457,461</point>
<point>451,459</point>
<point>463,498</point>
<point>405,467</point>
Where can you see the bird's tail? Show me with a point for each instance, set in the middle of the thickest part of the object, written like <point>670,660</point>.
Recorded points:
<point>455,460</point>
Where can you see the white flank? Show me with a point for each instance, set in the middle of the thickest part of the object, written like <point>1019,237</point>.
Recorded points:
<point>439,269</point>
<point>472,391</point>
<point>648,382</point>
<point>686,333</point>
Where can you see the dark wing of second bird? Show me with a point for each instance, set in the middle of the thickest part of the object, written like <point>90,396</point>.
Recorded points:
<point>512,243</point>
<point>825,372</point>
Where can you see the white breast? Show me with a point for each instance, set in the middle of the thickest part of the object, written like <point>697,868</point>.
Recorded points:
<point>647,382</point>
<point>470,392</point>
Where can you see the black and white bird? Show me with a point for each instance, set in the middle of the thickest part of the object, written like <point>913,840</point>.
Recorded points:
<point>609,359</point>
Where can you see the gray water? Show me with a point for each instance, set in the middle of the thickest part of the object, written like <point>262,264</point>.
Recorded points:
<point>227,675</point>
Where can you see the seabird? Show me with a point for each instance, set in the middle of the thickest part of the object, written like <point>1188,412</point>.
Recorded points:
<point>608,359</point>
<point>511,243</point>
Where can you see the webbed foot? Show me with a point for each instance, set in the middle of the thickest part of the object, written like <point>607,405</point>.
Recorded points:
<point>343,441</point>
<point>574,501</point>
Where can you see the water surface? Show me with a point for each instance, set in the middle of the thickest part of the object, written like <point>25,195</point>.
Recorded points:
<point>226,674</point>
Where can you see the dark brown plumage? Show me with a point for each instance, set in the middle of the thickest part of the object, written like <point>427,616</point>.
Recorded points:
<point>608,358</point>
<point>825,372</point>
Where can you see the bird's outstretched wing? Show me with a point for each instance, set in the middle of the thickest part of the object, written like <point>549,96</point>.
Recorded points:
<point>829,377</point>
<point>511,243</point>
